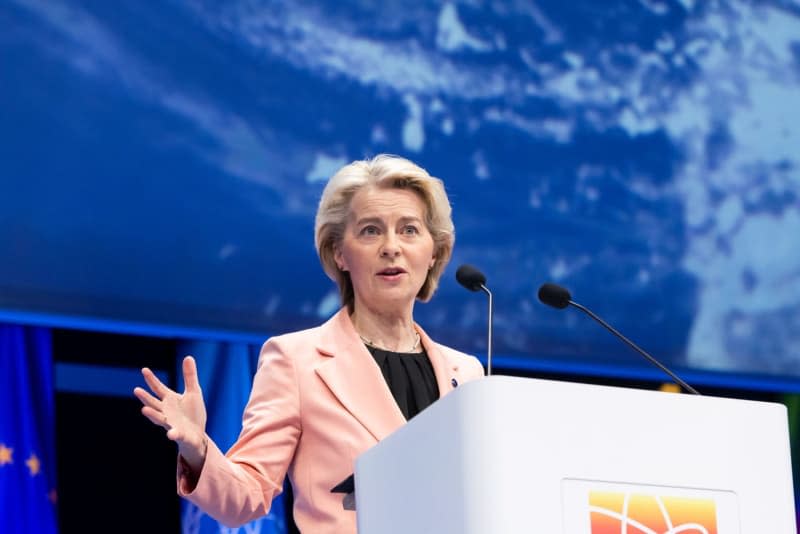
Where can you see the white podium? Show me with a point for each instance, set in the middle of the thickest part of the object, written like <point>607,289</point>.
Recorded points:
<point>512,455</point>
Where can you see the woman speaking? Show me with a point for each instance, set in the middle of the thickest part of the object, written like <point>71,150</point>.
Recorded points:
<point>323,396</point>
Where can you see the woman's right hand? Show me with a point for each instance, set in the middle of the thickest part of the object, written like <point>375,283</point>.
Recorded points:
<point>182,415</point>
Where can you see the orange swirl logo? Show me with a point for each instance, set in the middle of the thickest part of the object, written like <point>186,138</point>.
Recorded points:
<point>631,513</point>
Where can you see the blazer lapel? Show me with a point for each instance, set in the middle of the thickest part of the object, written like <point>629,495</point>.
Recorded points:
<point>352,375</point>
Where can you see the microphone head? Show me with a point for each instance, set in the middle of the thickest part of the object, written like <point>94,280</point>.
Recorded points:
<point>554,295</point>
<point>470,277</point>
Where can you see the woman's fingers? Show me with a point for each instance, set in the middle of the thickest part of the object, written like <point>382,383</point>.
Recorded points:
<point>190,375</point>
<point>173,433</point>
<point>156,416</point>
<point>146,398</point>
<point>181,415</point>
<point>155,385</point>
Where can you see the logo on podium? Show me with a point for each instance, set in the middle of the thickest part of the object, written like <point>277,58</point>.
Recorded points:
<point>605,507</point>
<point>639,513</point>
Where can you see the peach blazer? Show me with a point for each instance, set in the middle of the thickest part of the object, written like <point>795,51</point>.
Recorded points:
<point>318,401</point>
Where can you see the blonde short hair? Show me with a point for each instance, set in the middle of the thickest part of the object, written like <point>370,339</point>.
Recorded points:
<point>387,172</point>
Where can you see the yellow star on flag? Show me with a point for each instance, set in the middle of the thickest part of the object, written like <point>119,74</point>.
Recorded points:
<point>5,454</point>
<point>33,464</point>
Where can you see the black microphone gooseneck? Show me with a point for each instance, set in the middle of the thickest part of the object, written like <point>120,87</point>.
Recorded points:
<point>558,297</point>
<point>474,280</point>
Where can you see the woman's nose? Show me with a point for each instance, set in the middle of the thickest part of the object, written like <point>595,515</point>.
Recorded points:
<point>390,252</point>
<point>390,248</point>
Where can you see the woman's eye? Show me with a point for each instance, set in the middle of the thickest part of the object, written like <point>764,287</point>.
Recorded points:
<point>369,230</point>
<point>410,230</point>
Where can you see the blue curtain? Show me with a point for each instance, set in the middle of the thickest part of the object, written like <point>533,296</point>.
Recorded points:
<point>225,371</point>
<point>27,433</point>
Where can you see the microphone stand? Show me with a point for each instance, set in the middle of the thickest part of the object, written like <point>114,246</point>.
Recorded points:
<point>633,345</point>
<point>472,279</point>
<point>489,339</point>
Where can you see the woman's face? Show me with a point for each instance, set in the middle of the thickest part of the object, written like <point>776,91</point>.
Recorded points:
<point>386,248</point>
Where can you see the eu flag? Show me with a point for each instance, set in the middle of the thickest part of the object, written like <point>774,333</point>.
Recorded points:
<point>27,444</point>
<point>225,372</point>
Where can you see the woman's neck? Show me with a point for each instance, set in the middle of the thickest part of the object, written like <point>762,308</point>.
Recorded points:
<point>386,331</point>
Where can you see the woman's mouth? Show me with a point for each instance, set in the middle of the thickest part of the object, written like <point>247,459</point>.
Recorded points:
<point>391,271</point>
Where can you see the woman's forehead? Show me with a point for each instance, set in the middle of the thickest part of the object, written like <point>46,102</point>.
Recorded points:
<point>381,202</point>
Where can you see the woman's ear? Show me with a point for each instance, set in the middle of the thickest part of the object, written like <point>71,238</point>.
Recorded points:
<point>338,258</point>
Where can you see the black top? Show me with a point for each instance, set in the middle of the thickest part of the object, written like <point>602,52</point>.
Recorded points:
<point>410,378</point>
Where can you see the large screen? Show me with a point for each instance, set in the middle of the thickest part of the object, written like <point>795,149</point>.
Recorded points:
<point>161,164</point>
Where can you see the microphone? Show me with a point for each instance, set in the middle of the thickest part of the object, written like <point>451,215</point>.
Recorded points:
<point>558,297</point>
<point>555,296</point>
<point>470,277</point>
<point>474,280</point>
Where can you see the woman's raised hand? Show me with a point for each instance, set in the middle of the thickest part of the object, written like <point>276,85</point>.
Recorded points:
<point>182,415</point>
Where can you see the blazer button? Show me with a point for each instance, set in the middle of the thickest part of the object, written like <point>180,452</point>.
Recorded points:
<point>454,382</point>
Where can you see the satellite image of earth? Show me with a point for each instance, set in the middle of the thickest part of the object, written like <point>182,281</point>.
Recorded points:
<point>161,163</point>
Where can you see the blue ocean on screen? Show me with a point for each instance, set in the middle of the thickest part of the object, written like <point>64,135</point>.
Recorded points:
<point>161,164</point>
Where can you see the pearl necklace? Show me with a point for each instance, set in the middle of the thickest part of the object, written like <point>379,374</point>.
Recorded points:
<point>374,346</point>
